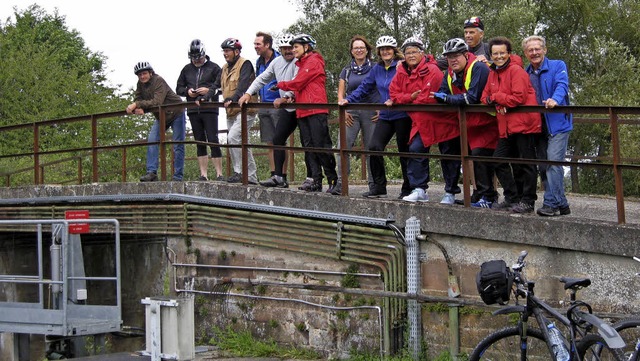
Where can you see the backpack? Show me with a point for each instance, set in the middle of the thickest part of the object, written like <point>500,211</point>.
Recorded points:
<point>494,282</point>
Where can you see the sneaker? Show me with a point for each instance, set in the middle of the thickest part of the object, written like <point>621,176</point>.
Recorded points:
<point>417,195</point>
<point>502,206</point>
<point>448,198</point>
<point>564,211</point>
<point>203,178</point>
<point>522,207</point>
<point>275,181</point>
<point>336,189</point>
<point>375,193</point>
<point>176,179</point>
<point>482,203</point>
<point>221,178</point>
<point>306,185</point>
<point>149,177</point>
<point>548,211</point>
<point>235,178</point>
<point>316,186</point>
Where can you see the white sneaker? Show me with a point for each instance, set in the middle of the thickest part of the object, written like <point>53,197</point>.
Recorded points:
<point>448,199</point>
<point>417,195</point>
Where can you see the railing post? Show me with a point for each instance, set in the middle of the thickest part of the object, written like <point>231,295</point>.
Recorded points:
<point>36,154</point>
<point>344,171</point>
<point>617,172</point>
<point>80,170</point>
<point>94,150</point>
<point>245,140</point>
<point>467,165</point>
<point>124,165</point>
<point>162,153</point>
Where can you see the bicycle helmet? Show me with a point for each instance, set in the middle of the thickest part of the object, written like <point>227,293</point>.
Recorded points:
<point>284,40</point>
<point>304,39</point>
<point>142,66</point>
<point>413,41</point>
<point>231,43</point>
<point>386,40</point>
<point>196,49</point>
<point>455,45</point>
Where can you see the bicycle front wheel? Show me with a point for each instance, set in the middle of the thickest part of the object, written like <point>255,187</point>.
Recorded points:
<point>593,348</point>
<point>505,345</point>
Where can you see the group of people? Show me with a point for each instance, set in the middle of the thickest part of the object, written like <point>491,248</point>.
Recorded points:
<point>469,71</point>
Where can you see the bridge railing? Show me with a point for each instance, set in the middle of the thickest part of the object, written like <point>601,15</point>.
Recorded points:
<point>38,140</point>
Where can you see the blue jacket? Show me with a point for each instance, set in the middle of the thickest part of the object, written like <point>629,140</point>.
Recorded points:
<point>554,83</point>
<point>265,94</point>
<point>379,78</point>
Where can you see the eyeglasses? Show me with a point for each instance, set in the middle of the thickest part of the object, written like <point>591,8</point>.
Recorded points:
<point>411,53</point>
<point>360,48</point>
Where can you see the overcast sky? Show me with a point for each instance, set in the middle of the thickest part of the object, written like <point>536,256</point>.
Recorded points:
<point>128,31</point>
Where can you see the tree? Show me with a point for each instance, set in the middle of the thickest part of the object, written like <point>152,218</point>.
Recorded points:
<point>47,72</point>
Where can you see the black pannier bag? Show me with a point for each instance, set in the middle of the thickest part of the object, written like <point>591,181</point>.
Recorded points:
<point>494,282</point>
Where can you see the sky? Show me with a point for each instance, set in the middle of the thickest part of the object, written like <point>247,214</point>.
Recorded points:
<point>128,31</point>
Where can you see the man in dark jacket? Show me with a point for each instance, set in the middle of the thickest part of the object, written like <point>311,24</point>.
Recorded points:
<point>153,91</point>
<point>197,82</point>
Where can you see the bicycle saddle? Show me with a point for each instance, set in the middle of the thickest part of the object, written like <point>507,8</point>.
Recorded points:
<point>575,283</point>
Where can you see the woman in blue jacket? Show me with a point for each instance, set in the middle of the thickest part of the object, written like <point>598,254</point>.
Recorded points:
<point>389,123</point>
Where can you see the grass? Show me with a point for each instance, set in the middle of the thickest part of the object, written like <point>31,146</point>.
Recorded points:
<point>243,344</point>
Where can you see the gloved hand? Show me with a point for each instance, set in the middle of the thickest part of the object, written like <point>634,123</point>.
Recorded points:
<point>440,97</point>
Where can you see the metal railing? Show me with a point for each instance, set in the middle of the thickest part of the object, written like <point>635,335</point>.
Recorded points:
<point>612,116</point>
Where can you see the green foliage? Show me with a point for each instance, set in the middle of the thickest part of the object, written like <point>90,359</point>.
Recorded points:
<point>350,280</point>
<point>243,344</point>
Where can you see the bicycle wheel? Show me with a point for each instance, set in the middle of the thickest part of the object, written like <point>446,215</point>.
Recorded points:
<point>505,345</point>
<point>629,330</point>
<point>593,348</point>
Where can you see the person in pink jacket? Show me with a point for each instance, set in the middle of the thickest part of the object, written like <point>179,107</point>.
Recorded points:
<point>309,87</point>
<point>508,86</point>
<point>417,77</point>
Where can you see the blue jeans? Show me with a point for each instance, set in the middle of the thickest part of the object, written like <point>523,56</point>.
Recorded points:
<point>554,185</point>
<point>178,130</point>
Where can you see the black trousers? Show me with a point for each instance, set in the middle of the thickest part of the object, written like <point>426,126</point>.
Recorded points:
<point>385,130</point>
<point>314,133</point>
<point>518,180</point>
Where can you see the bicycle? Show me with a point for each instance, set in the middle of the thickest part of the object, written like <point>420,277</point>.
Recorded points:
<point>525,342</point>
<point>629,330</point>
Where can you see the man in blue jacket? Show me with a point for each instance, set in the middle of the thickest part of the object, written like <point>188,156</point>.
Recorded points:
<point>551,82</point>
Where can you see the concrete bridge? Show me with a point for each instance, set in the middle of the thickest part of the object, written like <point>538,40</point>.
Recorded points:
<point>324,272</point>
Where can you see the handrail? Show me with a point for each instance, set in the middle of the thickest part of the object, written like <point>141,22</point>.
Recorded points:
<point>616,162</point>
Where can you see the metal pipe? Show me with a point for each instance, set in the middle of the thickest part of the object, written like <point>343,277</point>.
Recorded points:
<point>269,269</point>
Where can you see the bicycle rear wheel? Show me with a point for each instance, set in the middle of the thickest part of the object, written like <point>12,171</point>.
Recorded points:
<point>505,345</point>
<point>593,348</point>
<point>629,330</point>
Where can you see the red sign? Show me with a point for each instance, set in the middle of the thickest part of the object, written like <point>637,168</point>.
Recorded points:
<point>77,228</point>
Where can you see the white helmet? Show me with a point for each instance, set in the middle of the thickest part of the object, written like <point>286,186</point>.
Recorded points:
<point>455,45</point>
<point>413,41</point>
<point>142,66</point>
<point>284,40</point>
<point>386,40</point>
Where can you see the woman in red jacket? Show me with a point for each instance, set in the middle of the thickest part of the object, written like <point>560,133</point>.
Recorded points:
<point>309,87</point>
<point>509,86</point>
<point>416,78</point>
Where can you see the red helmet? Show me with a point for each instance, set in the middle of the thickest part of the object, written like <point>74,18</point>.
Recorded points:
<point>231,43</point>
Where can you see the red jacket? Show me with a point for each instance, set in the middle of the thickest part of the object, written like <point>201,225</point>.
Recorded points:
<point>433,127</point>
<point>482,128</point>
<point>309,84</point>
<point>509,87</point>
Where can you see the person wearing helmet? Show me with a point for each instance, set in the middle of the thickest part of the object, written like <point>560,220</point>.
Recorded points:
<point>196,83</point>
<point>416,78</point>
<point>465,80</point>
<point>550,79</point>
<point>237,75</point>
<point>151,92</point>
<point>309,87</point>
<point>473,36</point>
<point>263,44</point>
<point>350,78</point>
<point>281,68</point>
<point>509,86</point>
<point>390,122</point>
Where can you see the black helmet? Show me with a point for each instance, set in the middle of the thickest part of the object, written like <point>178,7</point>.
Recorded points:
<point>196,49</point>
<point>231,43</point>
<point>455,45</point>
<point>304,39</point>
<point>141,66</point>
